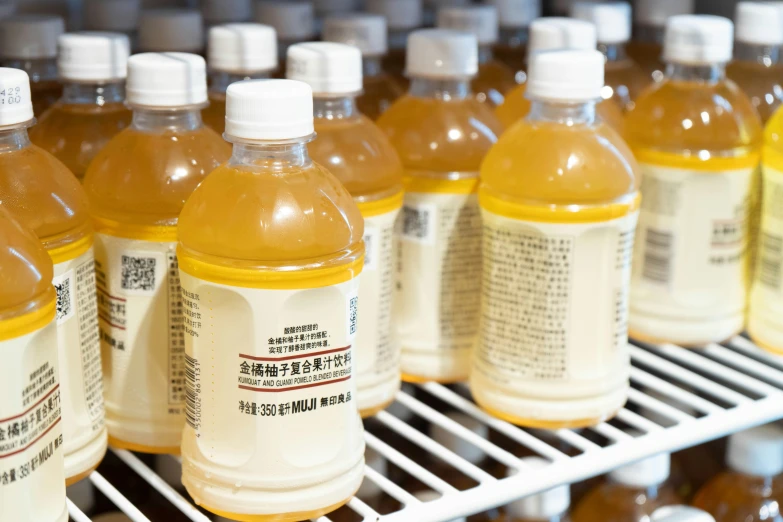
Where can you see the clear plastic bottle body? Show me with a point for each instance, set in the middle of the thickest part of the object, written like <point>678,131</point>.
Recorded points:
<point>612,502</point>
<point>625,80</point>
<point>757,70</point>
<point>494,79</point>
<point>81,123</point>
<point>733,497</point>
<point>44,84</point>
<point>380,91</point>
<point>214,115</point>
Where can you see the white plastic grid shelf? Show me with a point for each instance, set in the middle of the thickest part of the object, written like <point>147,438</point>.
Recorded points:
<point>679,398</point>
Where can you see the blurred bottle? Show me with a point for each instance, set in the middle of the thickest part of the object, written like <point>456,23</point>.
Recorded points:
<point>432,7</point>
<point>548,506</point>
<point>514,18</point>
<point>218,12</point>
<point>650,18</point>
<point>402,17</point>
<point>326,8</point>
<point>116,16</point>
<point>171,30</point>
<point>293,22</point>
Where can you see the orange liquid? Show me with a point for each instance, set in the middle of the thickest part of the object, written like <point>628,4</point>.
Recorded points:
<point>214,115</point>
<point>394,64</point>
<point>616,503</point>
<point>75,133</point>
<point>515,57</point>
<point>732,497</point>
<point>493,82</point>
<point>627,81</point>
<point>45,94</point>
<point>761,83</point>
<point>648,57</point>
<point>380,92</point>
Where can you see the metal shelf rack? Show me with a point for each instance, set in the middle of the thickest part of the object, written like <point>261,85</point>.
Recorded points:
<point>679,398</point>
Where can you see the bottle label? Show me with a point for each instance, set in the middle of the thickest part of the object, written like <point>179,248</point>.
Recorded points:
<point>78,337</point>
<point>140,311</point>
<point>555,304</point>
<point>690,258</point>
<point>439,275</point>
<point>32,479</point>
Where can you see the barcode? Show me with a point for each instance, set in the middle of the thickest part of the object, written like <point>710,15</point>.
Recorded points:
<point>353,310</point>
<point>770,260</point>
<point>192,390</point>
<point>63,290</point>
<point>138,273</point>
<point>657,264</point>
<point>416,222</point>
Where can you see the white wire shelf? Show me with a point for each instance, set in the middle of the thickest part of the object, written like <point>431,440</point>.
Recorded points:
<point>679,398</point>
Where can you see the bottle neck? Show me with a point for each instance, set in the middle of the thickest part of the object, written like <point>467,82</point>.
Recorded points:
<point>14,138</point>
<point>450,89</point>
<point>485,53</point>
<point>335,108</point>
<point>220,80</point>
<point>613,52</point>
<point>41,70</point>
<point>271,156</point>
<point>712,73</point>
<point>371,66</point>
<point>513,37</point>
<point>762,54</point>
<point>93,93</point>
<point>649,34</point>
<point>186,119</point>
<point>581,113</point>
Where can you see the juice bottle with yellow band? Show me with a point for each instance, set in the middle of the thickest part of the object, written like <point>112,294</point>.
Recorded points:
<point>92,109</point>
<point>137,186</point>
<point>697,139</point>
<point>361,157</point>
<point>270,252</point>
<point>30,394</point>
<point>441,133</point>
<point>547,34</point>
<point>236,52</point>
<point>559,199</point>
<point>45,197</point>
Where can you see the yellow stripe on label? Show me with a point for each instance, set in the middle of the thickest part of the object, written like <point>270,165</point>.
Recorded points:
<point>715,164</point>
<point>382,206</point>
<point>268,279</point>
<point>71,250</point>
<point>557,213</point>
<point>772,158</point>
<point>162,234</point>
<point>28,323</point>
<point>440,186</point>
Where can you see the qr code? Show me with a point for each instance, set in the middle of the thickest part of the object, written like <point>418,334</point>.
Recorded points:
<point>63,289</point>
<point>138,273</point>
<point>353,311</point>
<point>416,222</point>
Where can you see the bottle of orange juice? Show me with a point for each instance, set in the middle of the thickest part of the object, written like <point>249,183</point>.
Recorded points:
<point>293,21</point>
<point>514,18</point>
<point>650,17</point>
<point>402,17</point>
<point>29,42</point>
<point>270,252</point>
<point>368,33</point>
<point>694,133</point>
<point>441,133</point>
<point>116,16</point>
<point>45,197</point>
<point>137,186</point>
<point>171,30</point>
<point>93,67</point>
<point>236,52</point>
<point>494,78</point>
<point>30,398</point>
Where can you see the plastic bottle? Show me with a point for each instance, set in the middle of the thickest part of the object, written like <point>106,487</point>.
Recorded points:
<point>116,16</point>
<point>431,8</point>
<point>293,21</point>
<point>625,80</point>
<point>441,133</point>
<point>751,489</point>
<point>515,17</point>
<point>680,514</point>
<point>218,12</point>
<point>548,506</point>
<point>756,67</point>
<point>327,8</point>
<point>402,18</point>
<point>559,198</point>
<point>363,159</point>
<point>29,42</point>
<point>270,248</point>
<point>93,67</point>
<point>693,133</point>
<point>137,186</point>
<point>650,18</point>
<point>631,494</point>
<point>171,30</point>
<point>548,34</point>
<point>45,197</point>
<point>28,346</point>
<point>367,32</point>
<point>494,78</point>
<point>236,52</point>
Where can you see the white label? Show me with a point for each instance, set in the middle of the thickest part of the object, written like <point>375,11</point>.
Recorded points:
<point>140,310</point>
<point>439,279</point>
<point>555,304</point>
<point>689,260</point>
<point>80,354</point>
<point>32,478</point>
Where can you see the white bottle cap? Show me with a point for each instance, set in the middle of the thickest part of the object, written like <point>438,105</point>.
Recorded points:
<point>657,12</point>
<point>698,40</point>
<point>327,67</point>
<point>324,8</point>
<point>226,11</point>
<point>516,13</point>
<point>481,20</point>
<point>242,48</point>
<point>553,33</point>
<point>441,53</point>
<point>400,15</point>
<point>757,452</point>
<point>93,57</point>
<point>374,460</point>
<point>681,514</point>
<point>365,31</point>
<point>545,505</point>
<point>171,30</point>
<point>166,80</point>
<point>565,75</point>
<point>645,473</point>
<point>759,23</point>
<point>30,36</point>
<point>293,20</point>
<point>269,110</point>
<point>16,106</point>
<point>611,19</point>
<point>112,15</point>
<point>456,444</point>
